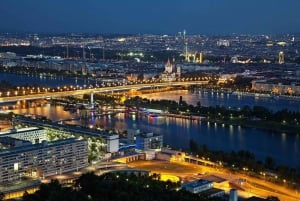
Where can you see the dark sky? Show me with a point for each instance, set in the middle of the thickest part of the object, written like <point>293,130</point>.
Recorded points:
<point>151,16</point>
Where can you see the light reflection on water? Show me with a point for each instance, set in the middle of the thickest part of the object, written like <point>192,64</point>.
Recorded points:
<point>51,112</point>
<point>177,133</point>
<point>208,98</point>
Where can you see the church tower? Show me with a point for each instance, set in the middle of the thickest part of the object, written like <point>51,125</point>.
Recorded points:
<point>168,67</point>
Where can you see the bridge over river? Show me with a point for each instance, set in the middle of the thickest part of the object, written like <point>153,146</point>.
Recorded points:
<point>55,94</point>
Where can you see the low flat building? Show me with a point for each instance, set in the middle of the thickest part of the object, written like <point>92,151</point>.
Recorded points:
<point>203,187</point>
<point>197,186</point>
<point>9,142</point>
<point>32,134</point>
<point>213,192</point>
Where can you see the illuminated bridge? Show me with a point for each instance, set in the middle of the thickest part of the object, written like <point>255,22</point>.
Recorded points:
<point>98,90</point>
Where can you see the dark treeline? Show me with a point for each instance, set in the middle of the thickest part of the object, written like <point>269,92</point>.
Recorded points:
<point>5,85</point>
<point>94,55</point>
<point>114,186</point>
<point>245,161</point>
<point>102,99</point>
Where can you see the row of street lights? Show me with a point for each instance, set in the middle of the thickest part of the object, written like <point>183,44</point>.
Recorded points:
<point>22,91</point>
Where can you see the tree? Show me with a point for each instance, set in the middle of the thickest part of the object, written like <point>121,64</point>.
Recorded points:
<point>193,146</point>
<point>2,196</point>
<point>269,163</point>
<point>140,77</point>
<point>246,111</point>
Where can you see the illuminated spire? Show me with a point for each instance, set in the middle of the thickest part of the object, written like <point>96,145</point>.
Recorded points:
<point>168,62</point>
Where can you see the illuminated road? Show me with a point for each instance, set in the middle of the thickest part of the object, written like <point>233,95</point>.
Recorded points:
<point>188,172</point>
<point>98,90</point>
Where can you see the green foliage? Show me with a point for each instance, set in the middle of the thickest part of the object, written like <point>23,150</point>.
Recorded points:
<point>1,196</point>
<point>114,187</point>
<point>55,192</point>
<point>5,85</point>
<point>8,116</point>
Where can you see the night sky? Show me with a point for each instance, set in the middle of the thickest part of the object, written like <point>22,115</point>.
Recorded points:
<point>151,16</point>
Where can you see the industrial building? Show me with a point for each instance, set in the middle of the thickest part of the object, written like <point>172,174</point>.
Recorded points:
<point>204,187</point>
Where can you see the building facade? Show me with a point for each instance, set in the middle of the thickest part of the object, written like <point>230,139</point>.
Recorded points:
<point>276,87</point>
<point>43,159</point>
<point>147,141</point>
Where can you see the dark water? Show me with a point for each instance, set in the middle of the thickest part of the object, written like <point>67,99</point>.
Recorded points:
<point>206,97</point>
<point>42,80</point>
<point>228,99</point>
<point>285,149</point>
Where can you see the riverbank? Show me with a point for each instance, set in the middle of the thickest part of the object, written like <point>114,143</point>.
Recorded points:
<point>282,121</point>
<point>263,125</point>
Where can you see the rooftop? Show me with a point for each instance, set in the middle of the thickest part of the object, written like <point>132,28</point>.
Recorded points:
<point>196,183</point>
<point>23,149</point>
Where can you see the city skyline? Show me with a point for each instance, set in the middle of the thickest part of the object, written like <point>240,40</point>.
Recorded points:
<point>166,17</point>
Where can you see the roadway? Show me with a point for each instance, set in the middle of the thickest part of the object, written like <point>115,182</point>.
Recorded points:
<point>76,92</point>
<point>189,171</point>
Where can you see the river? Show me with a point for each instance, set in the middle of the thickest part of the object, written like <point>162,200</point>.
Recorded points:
<point>209,97</point>
<point>43,80</point>
<point>285,149</point>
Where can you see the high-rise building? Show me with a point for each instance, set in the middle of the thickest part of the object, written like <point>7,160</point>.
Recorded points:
<point>42,159</point>
<point>281,57</point>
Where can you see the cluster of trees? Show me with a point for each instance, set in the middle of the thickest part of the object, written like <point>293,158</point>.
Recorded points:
<point>102,99</point>
<point>245,161</point>
<point>114,186</point>
<point>240,83</point>
<point>5,85</point>
<point>6,116</point>
<point>26,70</point>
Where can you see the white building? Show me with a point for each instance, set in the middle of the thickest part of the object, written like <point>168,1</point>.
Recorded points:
<point>112,143</point>
<point>170,73</point>
<point>43,159</point>
<point>276,87</point>
<point>225,43</point>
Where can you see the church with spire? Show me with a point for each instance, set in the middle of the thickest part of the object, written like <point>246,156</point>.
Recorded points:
<point>171,73</point>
